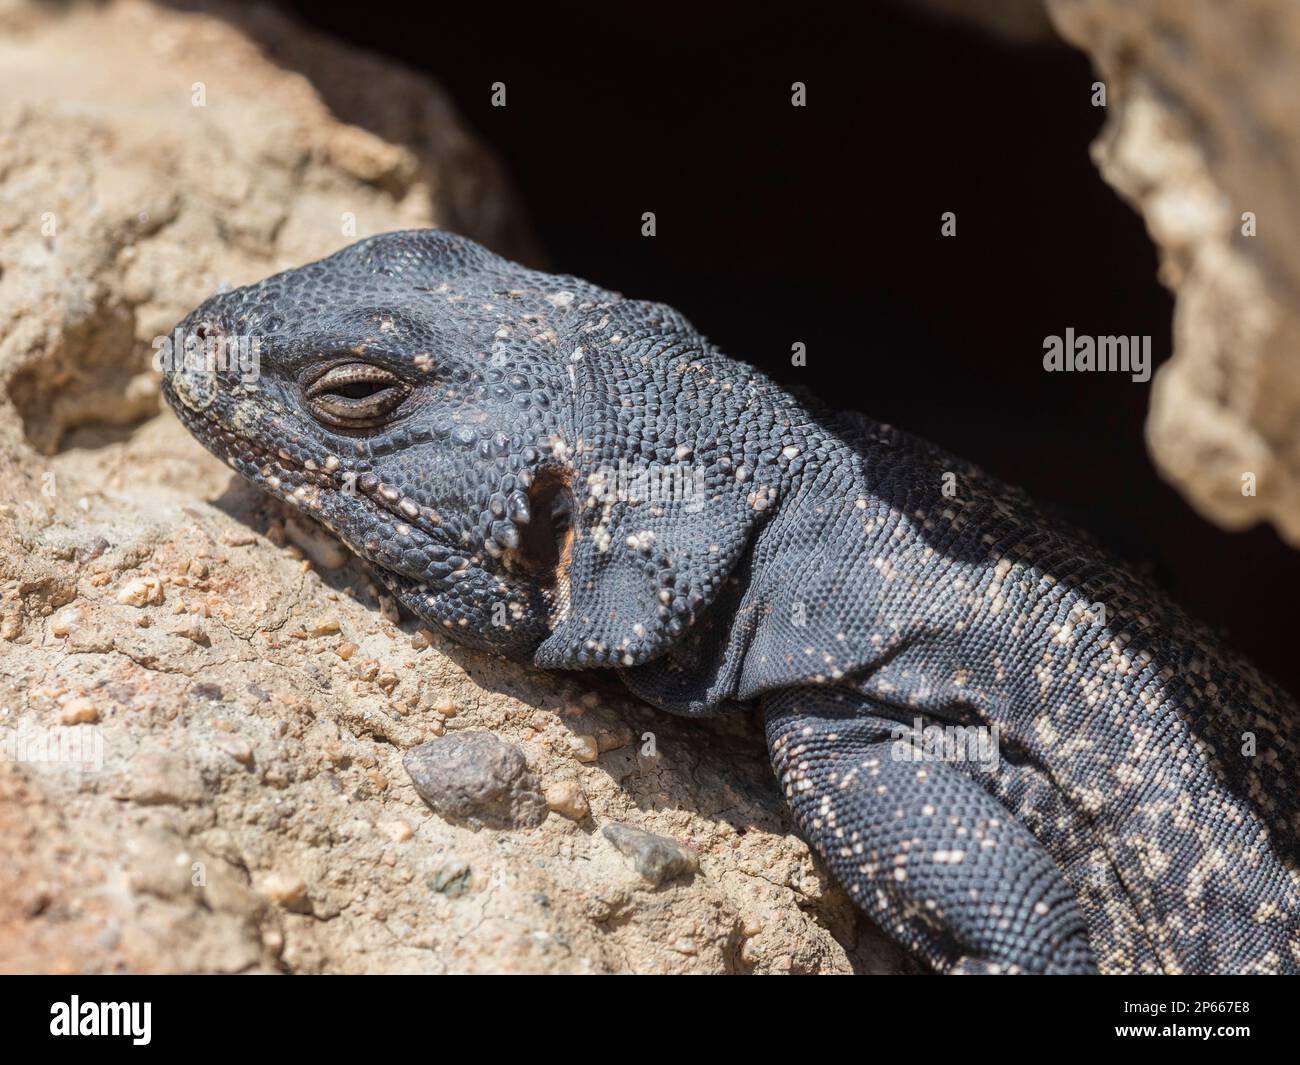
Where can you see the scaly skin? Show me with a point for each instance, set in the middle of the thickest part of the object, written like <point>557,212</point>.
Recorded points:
<point>573,479</point>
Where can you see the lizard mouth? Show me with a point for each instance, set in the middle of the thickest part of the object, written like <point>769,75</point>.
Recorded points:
<point>306,485</point>
<point>274,465</point>
<point>543,554</point>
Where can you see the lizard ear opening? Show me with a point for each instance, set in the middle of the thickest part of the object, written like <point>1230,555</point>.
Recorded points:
<point>666,504</point>
<point>546,539</point>
<point>635,576</point>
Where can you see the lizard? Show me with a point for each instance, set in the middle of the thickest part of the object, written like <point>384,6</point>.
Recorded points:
<point>573,479</point>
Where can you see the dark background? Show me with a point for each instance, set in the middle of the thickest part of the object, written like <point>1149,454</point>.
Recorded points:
<point>822,225</point>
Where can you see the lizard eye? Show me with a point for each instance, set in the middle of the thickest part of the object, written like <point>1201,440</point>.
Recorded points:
<point>356,395</point>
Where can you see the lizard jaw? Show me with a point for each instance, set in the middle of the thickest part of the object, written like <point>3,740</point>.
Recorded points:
<point>307,486</point>
<point>540,557</point>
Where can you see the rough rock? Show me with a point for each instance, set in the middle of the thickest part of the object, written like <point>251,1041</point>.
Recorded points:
<point>657,858</point>
<point>238,803</point>
<point>1202,136</point>
<point>476,778</point>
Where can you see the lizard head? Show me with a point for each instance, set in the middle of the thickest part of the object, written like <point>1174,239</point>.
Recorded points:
<point>481,434</point>
<point>405,393</point>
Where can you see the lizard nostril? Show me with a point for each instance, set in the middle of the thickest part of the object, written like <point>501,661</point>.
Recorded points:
<point>545,541</point>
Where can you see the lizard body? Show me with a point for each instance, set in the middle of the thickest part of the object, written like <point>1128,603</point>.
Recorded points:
<point>572,479</point>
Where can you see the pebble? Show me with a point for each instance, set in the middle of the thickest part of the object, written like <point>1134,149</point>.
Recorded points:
<point>476,778</point>
<point>79,711</point>
<point>444,704</point>
<point>657,858</point>
<point>397,831</point>
<point>567,800</point>
<point>452,878</point>
<point>67,621</point>
<point>190,629</point>
<point>141,591</point>
<point>237,748</point>
<point>584,748</point>
<point>283,889</point>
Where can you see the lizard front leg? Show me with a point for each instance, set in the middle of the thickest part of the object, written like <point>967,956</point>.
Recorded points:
<point>929,855</point>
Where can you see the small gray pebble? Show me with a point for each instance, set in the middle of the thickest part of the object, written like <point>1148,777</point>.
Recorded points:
<point>657,858</point>
<point>451,878</point>
<point>476,779</point>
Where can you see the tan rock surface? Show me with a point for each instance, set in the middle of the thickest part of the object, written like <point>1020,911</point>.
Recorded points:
<point>239,697</point>
<point>1203,127</point>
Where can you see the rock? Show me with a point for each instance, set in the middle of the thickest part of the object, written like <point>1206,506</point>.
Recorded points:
<point>397,831</point>
<point>161,777</point>
<point>67,621</point>
<point>657,858</point>
<point>142,591</point>
<point>155,203</point>
<point>584,748</point>
<point>238,749</point>
<point>79,711</point>
<point>444,704</point>
<point>190,629</point>
<point>317,544</point>
<point>284,889</point>
<point>477,779</point>
<point>158,865</point>
<point>225,891</point>
<point>567,800</point>
<point>324,626</point>
<point>451,878</point>
<point>1202,114</point>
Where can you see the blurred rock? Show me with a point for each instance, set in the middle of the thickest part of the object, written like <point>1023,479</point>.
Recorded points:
<point>1202,136</point>
<point>657,858</point>
<point>1016,21</point>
